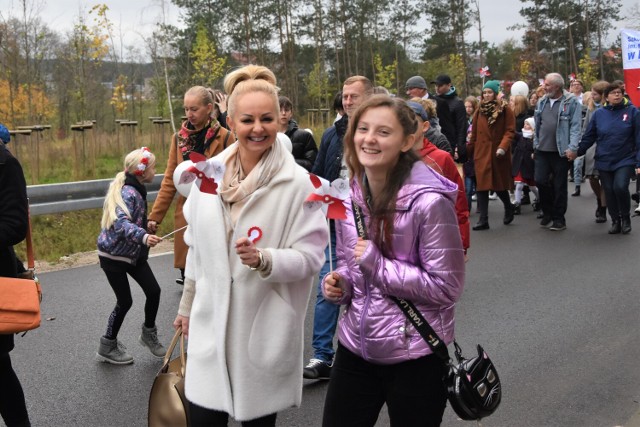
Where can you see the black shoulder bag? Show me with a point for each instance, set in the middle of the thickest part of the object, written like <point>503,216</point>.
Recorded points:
<point>473,386</point>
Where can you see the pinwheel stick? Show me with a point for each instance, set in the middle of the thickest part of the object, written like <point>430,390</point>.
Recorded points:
<point>330,252</point>
<point>173,232</point>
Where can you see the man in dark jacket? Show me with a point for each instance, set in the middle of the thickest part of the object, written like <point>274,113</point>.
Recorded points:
<point>304,148</point>
<point>329,165</point>
<point>13,229</point>
<point>458,116</point>
<point>416,87</point>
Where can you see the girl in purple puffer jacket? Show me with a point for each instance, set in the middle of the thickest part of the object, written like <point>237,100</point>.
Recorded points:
<point>414,252</point>
<point>123,249</point>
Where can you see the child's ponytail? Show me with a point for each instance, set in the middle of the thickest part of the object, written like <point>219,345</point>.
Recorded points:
<point>112,200</point>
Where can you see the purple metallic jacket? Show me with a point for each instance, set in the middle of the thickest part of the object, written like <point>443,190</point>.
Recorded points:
<point>427,268</point>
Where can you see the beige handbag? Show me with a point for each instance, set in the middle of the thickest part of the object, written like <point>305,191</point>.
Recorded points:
<point>168,407</point>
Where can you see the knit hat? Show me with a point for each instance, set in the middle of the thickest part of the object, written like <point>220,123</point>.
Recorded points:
<point>419,110</point>
<point>531,122</point>
<point>494,85</point>
<point>4,134</point>
<point>416,81</point>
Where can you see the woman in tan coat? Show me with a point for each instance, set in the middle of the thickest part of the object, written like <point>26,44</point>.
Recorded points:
<point>200,133</point>
<point>490,144</point>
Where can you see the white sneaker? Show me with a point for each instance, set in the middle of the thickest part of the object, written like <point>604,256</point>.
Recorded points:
<point>474,197</point>
<point>493,196</point>
<point>637,210</point>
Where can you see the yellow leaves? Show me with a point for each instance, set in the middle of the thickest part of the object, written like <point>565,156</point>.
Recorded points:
<point>119,97</point>
<point>16,102</point>
<point>208,66</point>
<point>525,68</point>
<point>385,74</point>
<point>588,69</point>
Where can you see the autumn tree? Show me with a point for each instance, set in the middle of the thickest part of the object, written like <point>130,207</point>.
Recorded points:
<point>208,67</point>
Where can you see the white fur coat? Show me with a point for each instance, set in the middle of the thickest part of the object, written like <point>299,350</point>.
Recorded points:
<point>246,330</point>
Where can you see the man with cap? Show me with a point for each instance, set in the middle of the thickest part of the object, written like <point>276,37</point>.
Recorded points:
<point>458,115</point>
<point>416,87</point>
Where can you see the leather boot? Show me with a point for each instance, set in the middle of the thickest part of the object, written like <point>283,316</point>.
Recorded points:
<point>509,212</point>
<point>483,224</point>
<point>615,226</point>
<point>601,214</point>
<point>626,224</point>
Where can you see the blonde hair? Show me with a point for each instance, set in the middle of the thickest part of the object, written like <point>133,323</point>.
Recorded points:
<point>428,105</point>
<point>113,198</point>
<point>250,78</point>
<point>206,95</point>
<point>520,105</point>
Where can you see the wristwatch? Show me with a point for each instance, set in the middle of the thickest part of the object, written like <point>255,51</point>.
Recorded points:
<point>260,264</point>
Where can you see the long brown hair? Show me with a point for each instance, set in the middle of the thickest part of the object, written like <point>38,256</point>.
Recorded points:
<point>383,207</point>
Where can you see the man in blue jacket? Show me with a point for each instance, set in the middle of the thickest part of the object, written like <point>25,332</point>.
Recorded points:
<point>330,166</point>
<point>558,118</point>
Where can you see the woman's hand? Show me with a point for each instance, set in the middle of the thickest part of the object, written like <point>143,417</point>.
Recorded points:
<point>221,102</point>
<point>500,152</point>
<point>331,286</point>
<point>152,226</point>
<point>248,252</point>
<point>182,322</point>
<point>361,246</point>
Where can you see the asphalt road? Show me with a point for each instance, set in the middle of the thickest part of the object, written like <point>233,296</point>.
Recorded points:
<point>557,311</point>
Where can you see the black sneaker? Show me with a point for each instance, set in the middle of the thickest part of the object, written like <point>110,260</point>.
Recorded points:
<point>558,226</point>
<point>180,280</point>
<point>317,369</point>
<point>546,220</point>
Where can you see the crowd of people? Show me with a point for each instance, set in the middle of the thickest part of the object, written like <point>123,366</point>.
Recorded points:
<point>252,253</point>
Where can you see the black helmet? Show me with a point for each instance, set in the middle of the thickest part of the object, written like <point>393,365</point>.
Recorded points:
<point>473,386</point>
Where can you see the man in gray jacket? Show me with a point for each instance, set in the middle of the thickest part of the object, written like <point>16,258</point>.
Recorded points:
<point>558,118</point>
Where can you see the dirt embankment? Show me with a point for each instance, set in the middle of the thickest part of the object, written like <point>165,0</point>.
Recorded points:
<point>88,258</point>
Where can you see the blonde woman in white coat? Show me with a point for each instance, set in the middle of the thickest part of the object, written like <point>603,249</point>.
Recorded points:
<point>244,303</point>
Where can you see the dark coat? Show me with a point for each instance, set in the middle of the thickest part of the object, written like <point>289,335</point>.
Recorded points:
<point>522,162</point>
<point>458,119</point>
<point>14,220</point>
<point>303,146</point>
<point>329,160</point>
<point>492,172</point>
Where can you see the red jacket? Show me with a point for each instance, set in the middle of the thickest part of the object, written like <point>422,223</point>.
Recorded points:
<point>441,162</point>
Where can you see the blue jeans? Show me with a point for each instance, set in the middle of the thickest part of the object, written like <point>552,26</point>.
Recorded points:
<point>578,164</point>
<point>616,191</point>
<point>325,317</point>
<point>551,180</point>
<point>470,188</point>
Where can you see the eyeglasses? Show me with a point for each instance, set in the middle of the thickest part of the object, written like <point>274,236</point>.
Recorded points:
<point>615,92</point>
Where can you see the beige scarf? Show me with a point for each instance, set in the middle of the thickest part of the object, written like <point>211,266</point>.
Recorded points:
<point>237,187</point>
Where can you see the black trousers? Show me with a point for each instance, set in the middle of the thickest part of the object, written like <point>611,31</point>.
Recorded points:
<point>119,282</point>
<point>551,180</point>
<point>413,391</point>
<point>12,405</point>
<point>203,417</point>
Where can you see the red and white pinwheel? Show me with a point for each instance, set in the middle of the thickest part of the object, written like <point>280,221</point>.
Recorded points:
<point>206,172</point>
<point>329,197</point>
<point>484,71</point>
<point>572,77</point>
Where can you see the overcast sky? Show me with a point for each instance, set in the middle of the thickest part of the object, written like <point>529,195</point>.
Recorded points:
<point>133,18</point>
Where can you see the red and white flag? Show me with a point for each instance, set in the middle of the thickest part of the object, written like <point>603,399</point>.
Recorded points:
<point>631,63</point>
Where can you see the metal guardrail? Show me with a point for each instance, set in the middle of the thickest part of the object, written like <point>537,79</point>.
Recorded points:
<point>75,196</point>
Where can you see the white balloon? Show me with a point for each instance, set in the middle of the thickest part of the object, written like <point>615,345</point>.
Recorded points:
<point>182,181</point>
<point>520,88</point>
